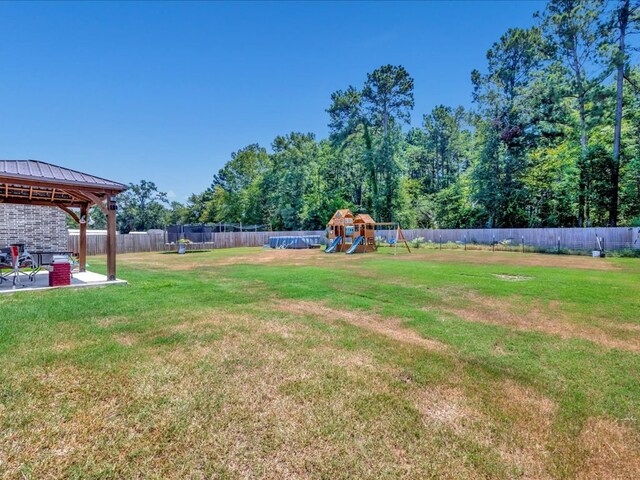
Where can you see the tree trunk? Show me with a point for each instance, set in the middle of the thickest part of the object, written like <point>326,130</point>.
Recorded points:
<point>582,187</point>
<point>584,141</point>
<point>623,19</point>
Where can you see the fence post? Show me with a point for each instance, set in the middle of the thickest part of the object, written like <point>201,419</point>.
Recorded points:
<point>523,244</point>
<point>440,242</point>
<point>493,244</point>
<point>465,242</point>
<point>558,244</point>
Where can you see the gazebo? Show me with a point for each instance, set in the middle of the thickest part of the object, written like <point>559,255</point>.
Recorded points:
<point>31,182</point>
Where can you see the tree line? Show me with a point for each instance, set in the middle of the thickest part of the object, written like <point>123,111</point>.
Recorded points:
<point>552,139</point>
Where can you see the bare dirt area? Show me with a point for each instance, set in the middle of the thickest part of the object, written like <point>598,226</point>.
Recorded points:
<point>550,319</point>
<point>521,444</point>
<point>612,450</point>
<point>513,278</point>
<point>388,327</point>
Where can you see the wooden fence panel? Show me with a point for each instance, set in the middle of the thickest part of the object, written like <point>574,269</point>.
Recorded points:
<point>574,238</point>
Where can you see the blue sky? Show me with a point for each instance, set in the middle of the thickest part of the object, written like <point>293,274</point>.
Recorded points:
<point>166,91</point>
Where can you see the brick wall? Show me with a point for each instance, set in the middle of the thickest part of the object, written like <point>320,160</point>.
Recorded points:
<point>39,228</point>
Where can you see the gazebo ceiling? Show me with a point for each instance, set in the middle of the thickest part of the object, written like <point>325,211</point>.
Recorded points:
<point>39,183</point>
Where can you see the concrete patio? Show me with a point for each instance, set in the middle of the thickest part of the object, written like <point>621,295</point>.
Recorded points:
<point>41,282</point>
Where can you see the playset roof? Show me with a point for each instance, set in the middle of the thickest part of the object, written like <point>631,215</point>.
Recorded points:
<point>364,218</point>
<point>340,216</point>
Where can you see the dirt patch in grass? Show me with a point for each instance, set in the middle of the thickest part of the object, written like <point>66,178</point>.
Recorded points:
<point>512,278</point>
<point>551,320</point>
<point>612,449</point>
<point>389,327</point>
<point>530,416</point>
<point>445,406</point>
<point>65,410</point>
<point>226,323</point>
<point>65,345</point>
<point>516,423</point>
<point>122,339</point>
<point>106,322</point>
<point>275,256</point>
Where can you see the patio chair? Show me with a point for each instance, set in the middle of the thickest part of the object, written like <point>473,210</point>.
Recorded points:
<point>27,261</point>
<point>17,264</point>
<point>5,263</point>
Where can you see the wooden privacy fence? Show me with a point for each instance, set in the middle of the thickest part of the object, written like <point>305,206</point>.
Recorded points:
<point>567,238</point>
<point>130,243</point>
<point>615,238</point>
<point>152,242</point>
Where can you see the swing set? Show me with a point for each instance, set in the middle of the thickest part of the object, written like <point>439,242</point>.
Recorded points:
<point>394,240</point>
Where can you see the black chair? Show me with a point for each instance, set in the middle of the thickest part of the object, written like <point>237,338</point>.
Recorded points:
<point>19,264</point>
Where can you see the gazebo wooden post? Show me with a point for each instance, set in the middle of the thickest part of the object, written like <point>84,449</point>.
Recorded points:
<point>111,237</point>
<point>83,237</point>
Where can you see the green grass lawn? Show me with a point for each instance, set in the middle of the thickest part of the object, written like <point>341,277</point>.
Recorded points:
<point>246,363</point>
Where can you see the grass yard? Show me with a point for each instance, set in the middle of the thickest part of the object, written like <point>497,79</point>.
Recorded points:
<point>246,363</point>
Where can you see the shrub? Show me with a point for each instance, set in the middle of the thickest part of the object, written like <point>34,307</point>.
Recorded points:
<point>416,242</point>
<point>625,253</point>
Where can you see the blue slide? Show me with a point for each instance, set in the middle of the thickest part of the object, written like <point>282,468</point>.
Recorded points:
<point>355,244</point>
<point>333,245</point>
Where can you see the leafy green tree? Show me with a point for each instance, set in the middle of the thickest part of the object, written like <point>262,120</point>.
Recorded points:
<point>387,100</point>
<point>388,96</point>
<point>351,180</point>
<point>240,179</point>
<point>366,124</point>
<point>573,28</point>
<point>506,128</point>
<point>97,219</point>
<point>447,143</point>
<point>288,182</point>
<point>141,207</point>
<point>191,212</point>
<point>454,206</point>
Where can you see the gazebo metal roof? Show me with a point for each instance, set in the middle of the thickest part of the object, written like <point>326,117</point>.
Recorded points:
<point>39,183</point>
<point>36,169</point>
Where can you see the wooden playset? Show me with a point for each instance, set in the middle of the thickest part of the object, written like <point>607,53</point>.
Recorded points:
<point>350,234</point>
